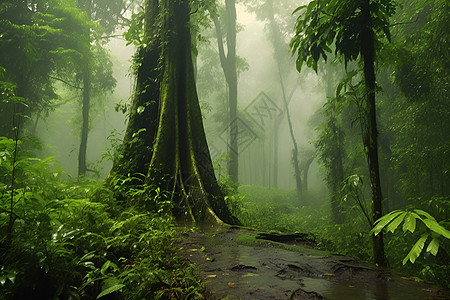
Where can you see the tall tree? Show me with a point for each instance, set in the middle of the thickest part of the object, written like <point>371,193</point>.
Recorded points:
<point>330,148</point>
<point>278,30</point>
<point>29,39</point>
<point>278,42</point>
<point>228,63</point>
<point>353,27</point>
<point>172,152</point>
<point>107,14</point>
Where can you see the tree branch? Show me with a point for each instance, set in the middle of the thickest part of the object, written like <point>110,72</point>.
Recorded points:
<point>404,23</point>
<point>223,58</point>
<point>110,36</point>
<point>65,82</point>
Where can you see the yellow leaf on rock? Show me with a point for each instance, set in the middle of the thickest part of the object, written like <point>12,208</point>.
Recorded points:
<point>250,275</point>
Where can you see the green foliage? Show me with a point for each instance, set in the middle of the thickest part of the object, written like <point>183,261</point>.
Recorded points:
<point>392,221</point>
<point>339,23</point>
<point>74,240</point>
<point>353,188</point>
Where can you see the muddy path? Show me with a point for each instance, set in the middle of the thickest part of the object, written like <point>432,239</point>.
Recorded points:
<point>242,264</point>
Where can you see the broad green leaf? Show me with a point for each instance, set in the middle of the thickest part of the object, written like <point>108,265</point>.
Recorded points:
<point>87,256</point>
<point>298,8</point>
<point>433,246</point>
<point>410,222</point>
<point>384,220</point>
<point>434,226</point>
<point>299,64</point>
<point>107,265</point>
<point>416,249</point>
<point>339,88</point>
<point>394,224</point>
<point>424,213</point>
<point>110,290</point>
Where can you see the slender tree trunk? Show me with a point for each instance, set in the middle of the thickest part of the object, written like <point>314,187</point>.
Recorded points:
<point>277,42</point>
<point>86,73</point>
<point>370,138</point>
<point>85,123</point>
<point>305,173</point>
<point>275,151</point>
<point>229,67</point>
<point>337,172</point>
<point>233,163</point>
<point>297,174</point>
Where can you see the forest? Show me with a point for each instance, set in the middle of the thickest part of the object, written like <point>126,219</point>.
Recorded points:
<point>183,149</point>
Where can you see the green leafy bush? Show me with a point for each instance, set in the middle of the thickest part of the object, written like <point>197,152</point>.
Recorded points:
<point>392,221</point>
<point>71,239</point>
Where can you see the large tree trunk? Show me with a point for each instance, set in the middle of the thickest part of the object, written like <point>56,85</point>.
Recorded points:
<point>136,150</point>
<point>370,133</point>
<point>179,162</point>
<point>228,63</point>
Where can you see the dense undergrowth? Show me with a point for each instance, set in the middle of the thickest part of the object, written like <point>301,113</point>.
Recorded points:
<point>278,210</point>
<point>71,239</point>
<point>64,238</point>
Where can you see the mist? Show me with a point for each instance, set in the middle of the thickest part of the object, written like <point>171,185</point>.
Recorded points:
<point>284,142</point>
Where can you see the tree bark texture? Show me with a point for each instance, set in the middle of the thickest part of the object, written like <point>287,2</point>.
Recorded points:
<point>137,147</point>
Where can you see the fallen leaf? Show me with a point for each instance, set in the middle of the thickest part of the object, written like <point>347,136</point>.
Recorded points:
<point>250,275</point>
<point>231,283</point>
<point>408,278</point>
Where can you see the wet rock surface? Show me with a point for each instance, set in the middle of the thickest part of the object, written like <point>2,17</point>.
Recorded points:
<point>239,264</point>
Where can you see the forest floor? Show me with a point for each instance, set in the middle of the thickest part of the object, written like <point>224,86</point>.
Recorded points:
<point>237,263</point>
